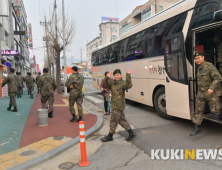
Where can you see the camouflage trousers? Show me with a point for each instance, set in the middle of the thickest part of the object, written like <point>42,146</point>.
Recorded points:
<point>19,90</point>
<point>118,117</point>
<point>12,101</point>
<point>31,89</point>
<point>78,99</point>
<point>50,100</point>
<point>214,105</point>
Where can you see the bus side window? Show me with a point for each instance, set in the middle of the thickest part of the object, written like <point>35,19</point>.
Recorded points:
<point>174,58</point>
<point>113,56</point>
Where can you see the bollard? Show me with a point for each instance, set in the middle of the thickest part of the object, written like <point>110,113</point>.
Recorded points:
<point>82,145</point>
<point>42,115</point>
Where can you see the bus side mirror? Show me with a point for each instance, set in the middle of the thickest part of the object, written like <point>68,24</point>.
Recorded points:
<point>217,15</point>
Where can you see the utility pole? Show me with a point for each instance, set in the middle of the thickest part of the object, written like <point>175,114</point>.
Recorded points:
<point>46,39</point>
<point>64,47</point>
<point>81,57</point>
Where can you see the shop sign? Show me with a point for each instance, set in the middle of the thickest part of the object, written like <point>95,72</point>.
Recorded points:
<point>9,52</point>
<point>6,57</point>
<point>3,68</point>
<point>110,19</point>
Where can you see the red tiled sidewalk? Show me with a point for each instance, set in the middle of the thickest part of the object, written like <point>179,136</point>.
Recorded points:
<point>59,125</point>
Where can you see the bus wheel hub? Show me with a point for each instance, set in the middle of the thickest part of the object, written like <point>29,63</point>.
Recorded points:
<point>162,102</point>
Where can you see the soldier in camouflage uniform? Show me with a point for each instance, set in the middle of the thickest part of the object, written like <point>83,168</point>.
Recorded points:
<point>208,83</point>
<point>118,87</point>
<point>37,78</point>
<point>48,86</point>
<point>25,80</point>
<point>19,85</point>
<point>11,80</point>
<point>30,84</point>
<point>75,83</point>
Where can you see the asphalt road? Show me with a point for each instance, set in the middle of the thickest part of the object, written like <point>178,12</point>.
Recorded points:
<point>157,133</point>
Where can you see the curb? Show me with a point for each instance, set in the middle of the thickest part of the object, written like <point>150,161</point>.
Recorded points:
<point>62,148</point>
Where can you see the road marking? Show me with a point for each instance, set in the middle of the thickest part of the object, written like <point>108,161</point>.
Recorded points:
<point>94,99</point>
<point>100,96</point>
<point>91,92</point>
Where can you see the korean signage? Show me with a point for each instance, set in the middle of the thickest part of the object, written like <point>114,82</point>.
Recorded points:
<point>30,36</point>
<point>110,19</point>
<point>4,9</point>
<point>33,62</point>
<point>16,3</point>
<point>9,52</point>
<point>153,10</point>
<point>37,67</point>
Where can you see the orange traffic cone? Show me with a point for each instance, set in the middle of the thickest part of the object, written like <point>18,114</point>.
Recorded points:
<point>83,145</point>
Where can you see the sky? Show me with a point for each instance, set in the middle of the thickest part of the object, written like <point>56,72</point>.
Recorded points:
<point>87,14</point>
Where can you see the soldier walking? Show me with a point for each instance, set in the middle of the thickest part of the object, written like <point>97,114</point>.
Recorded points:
<point>11,80</point>
<point>30,84</point>
<point>47,85</point>
<point>118,87</point>
<point>37,78</point>
<point>208,83</point>
<point>25,80</point>
<point>19,85</point>
<point>75,83</point>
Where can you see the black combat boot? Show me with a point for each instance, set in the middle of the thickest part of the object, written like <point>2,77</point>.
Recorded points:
<point>74,118</point>
<point>20,96</point>
<point>9,108</point>
<point>31,96</point>
<point>15,109</point>
<point>50,114</point>
<point>17,95</point>
<point>131,136</point>
<point>196,130</point>
<point>80,119</point>
<point>107,138</point>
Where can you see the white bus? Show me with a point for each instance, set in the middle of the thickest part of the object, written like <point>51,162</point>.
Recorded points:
<point>160,52</point>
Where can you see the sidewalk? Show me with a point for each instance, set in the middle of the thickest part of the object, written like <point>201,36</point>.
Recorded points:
<point>23,140</point>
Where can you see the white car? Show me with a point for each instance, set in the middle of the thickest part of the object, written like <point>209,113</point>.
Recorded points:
<point>86,76</point>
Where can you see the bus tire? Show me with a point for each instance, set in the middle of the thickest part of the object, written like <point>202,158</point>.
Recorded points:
<point>160,103</point>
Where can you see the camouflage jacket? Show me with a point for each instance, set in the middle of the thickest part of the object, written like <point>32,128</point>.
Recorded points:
<point>47,84</point>
<point>118,91</point>
<point>208,77</point>
<point>77,80</point>
<point>11,80</point>
<point>30,81</point>
<point>19,81</point>
<point>37,78</point>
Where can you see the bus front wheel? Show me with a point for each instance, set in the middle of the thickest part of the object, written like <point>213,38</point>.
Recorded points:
<point>160,103</point>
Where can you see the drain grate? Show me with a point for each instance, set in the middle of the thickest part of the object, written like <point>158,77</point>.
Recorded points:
<point>66,165</point>
<point>27,153</point>
<point>58,137</point>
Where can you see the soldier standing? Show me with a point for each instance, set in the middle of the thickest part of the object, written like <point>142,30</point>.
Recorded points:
<point>37,78</point>
<point>47,85</point>
<point>118,87</point>
<point>75,83</point>
<point>19,85</point>
<point>30,84</point>
<point>208,79</point>
<point>11,80</point>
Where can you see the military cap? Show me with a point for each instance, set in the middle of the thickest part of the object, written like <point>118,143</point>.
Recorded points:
<point>198,54</point>
<point>116,71</point>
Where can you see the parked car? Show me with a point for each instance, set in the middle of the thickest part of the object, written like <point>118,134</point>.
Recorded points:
<point>89,76</point>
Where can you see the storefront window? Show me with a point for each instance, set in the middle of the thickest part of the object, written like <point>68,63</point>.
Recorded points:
<point>146,15</point>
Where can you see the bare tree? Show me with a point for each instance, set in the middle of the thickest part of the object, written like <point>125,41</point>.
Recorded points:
<point>55,37</point>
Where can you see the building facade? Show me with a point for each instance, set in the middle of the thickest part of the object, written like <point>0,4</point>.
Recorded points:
<point>108,32</point>
<point>14,36</point>
<point>144,12</point>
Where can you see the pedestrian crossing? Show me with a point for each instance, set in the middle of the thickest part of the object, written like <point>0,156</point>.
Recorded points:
<point>95,100</point>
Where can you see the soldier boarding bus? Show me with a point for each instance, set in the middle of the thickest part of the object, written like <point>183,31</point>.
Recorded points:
<point>160,52</point>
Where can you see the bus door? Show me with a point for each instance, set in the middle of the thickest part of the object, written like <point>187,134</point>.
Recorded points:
<point>177,90</point>
<point>208,40</point>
